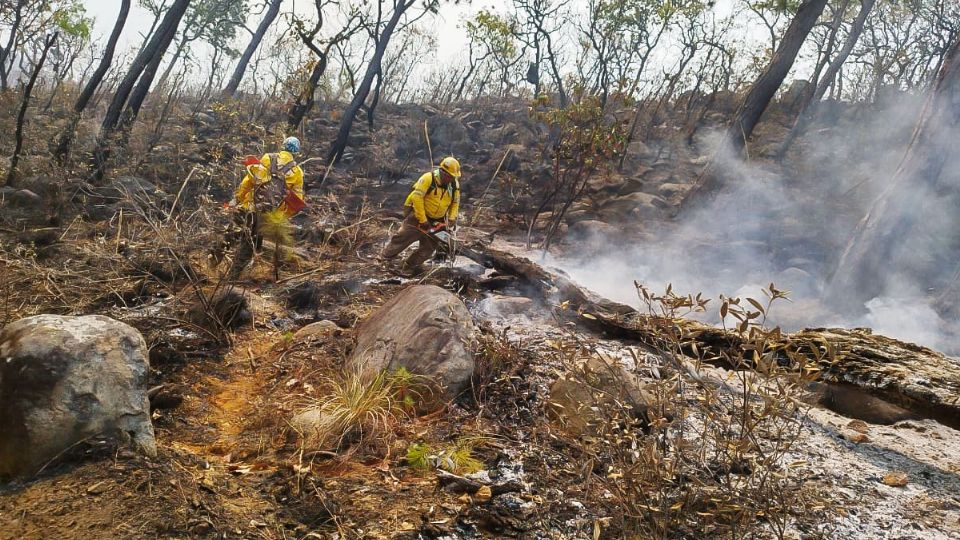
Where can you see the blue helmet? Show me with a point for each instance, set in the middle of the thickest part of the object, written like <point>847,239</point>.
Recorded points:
<point>292,145</point>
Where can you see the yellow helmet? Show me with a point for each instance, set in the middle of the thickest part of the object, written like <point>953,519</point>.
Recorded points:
<point>451,165</point>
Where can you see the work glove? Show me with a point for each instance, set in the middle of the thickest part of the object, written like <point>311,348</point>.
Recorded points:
<point>424,227</point>
<point>452,225</point>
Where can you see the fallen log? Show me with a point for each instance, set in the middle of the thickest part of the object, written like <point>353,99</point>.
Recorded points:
<point>913,377</point>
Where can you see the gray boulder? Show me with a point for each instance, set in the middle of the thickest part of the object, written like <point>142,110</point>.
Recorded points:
<point>23,207</point>
<point>20,198</point>
<point>64,379</point>
<point>426,330</point>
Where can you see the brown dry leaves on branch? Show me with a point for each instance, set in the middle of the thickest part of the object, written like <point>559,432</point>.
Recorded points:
<point>705,458</point>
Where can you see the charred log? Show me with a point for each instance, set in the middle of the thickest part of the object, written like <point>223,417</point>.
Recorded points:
<point>915,378</point>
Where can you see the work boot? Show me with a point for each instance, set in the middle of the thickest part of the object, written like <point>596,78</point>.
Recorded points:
<point>411,271</point>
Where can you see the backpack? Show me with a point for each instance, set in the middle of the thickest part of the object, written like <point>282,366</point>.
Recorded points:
<point>433,178</point>
<point>269,195</point>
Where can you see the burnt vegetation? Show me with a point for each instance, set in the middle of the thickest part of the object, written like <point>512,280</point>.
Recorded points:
<point>810,140</point>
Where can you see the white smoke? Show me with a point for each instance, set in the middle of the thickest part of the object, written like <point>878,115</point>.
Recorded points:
<point>784,226</point>
<point>907,319</point>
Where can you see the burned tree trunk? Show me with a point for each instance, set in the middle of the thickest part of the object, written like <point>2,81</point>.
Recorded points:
<point>157,45</point>
<point>759,96</point>
<point>910,233</point>
<point>6,52</point>
<point>178,53</point>
<point>809,107</point>
<point>373,68</point>
<point>769,82</point>
<point>375,101</point>
<point>66,139</point>
<point>855,30</point>
<point>306,99</point>
<point>21,117</point>
<point>139,93</point>
<point>146,54</point>
<point>231,89</point>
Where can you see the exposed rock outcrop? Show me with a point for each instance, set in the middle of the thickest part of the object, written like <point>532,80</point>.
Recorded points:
<point>64,379</point>
<point>424,329</point>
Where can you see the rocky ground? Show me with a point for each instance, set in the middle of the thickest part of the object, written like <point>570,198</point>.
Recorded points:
<point>230,463</point>
<point>229,466</point>
<point>881,481</point>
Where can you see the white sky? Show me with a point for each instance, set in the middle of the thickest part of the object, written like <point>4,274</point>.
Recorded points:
<point>139,20</point>
<point>452,41</point>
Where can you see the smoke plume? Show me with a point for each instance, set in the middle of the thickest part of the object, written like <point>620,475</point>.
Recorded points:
<point>789,226</point>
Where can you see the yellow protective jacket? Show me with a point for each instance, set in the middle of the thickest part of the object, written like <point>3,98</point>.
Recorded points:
<point>257,175</point>
<point>431,201</point>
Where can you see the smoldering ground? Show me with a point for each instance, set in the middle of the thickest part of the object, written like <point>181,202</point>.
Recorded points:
<point>789,225</point>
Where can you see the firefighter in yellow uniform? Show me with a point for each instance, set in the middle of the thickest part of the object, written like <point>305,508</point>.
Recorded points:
<point>259,175</point>
<point>435,199</point>
<point>272,183</point>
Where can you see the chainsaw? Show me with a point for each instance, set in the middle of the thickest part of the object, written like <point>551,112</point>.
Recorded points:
<point>446,248</point>
<point>449,248</point>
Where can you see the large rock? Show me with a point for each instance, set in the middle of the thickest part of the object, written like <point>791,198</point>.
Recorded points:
<point>23,206</point>
<point>64,379</point>
<point>426,330</point>
<point>634,206</point>
<point>20,198</point>
<point>317,331</point>
<point>596,393</point>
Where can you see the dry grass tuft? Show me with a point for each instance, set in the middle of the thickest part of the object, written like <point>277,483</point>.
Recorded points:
<point>358,411</point>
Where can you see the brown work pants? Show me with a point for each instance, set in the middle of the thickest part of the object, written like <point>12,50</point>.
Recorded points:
<point>407,235</point>
<point>246,239</point>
